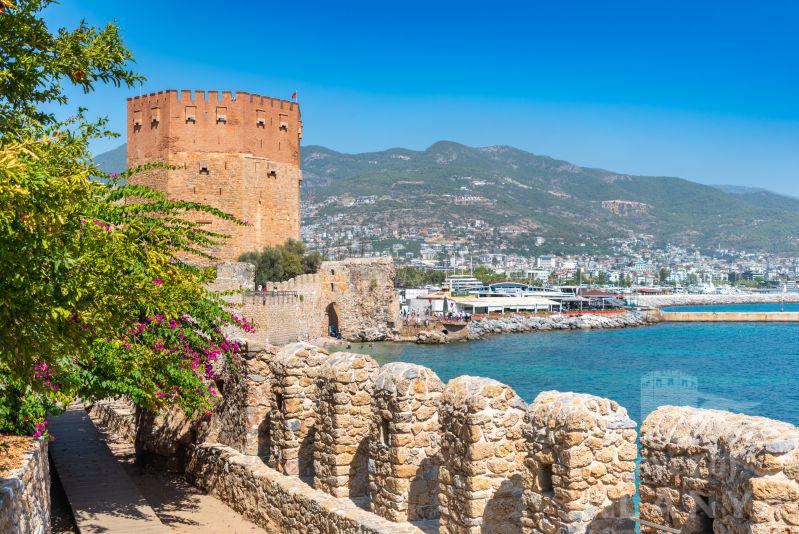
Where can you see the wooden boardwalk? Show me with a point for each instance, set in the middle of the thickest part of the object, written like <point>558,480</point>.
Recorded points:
<point>102,496</point>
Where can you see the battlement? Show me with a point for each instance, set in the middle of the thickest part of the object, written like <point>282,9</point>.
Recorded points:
<point>193,95</point>
<point>471,456</point>
<point>168,125</point>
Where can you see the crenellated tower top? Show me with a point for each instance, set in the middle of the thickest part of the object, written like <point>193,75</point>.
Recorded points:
<point>175,121</point>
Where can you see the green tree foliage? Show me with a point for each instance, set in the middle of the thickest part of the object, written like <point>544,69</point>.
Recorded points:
<point>417,277</point>
<point>578,278</point>
<point>35,63</point>
<point>94,300</point>
<point>276,264</point>
<point>488,277</point>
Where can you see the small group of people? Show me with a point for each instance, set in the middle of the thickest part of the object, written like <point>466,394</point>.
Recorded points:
<point>263,289</point>
<point>425,317</point>
<point>459,316</point>
<point>415,317</point>
<point>332,331</point>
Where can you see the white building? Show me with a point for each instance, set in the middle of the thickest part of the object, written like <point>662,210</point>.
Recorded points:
<point>545,262</point>
<point>463,282</point>
<point>472,305</point>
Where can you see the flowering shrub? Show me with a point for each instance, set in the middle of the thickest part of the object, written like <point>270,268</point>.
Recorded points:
<point>95,298</point>
<point>100,303</point>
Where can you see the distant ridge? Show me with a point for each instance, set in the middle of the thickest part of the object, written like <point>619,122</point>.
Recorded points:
<point>740,189</point>
<point>113,160</point>
<point>529,196</point>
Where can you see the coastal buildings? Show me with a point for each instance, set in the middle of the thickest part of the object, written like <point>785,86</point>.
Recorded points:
<point>527,303</point>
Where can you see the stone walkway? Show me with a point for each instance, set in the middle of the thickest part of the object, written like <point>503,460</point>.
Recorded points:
<point>102,496</point>
<point>179,505</point>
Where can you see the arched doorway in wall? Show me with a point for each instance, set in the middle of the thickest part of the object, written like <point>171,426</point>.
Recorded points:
<point>332,320</point>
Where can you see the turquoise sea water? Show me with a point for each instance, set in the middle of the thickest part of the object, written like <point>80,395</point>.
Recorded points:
<point>743,367</point>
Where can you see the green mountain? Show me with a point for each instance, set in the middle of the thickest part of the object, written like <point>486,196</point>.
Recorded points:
<point>530,195</point>
<point>111,161</point>
<point>520,196</point>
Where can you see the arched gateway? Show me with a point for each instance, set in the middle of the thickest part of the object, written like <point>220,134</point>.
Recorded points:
<point>332,319</point>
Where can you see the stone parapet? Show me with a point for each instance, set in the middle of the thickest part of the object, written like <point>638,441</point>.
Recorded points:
<point>470,455</point>
<point>580,465</point>
<point>117,416</point>
<point>404,443</point>
<point>345,385</point>
<point>356,298</point>
<point>25,493</point>
<point>294,407</point>
<point>242,418</point>
<point>233,276</point>
<point>482,457</point>
<point>277,502</point>
<point>709,470</point>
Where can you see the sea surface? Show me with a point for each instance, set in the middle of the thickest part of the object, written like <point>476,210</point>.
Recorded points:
<point>751,368</point>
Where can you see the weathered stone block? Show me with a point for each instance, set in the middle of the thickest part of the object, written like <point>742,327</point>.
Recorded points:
<point>706,468</point>
<point>574,478</point>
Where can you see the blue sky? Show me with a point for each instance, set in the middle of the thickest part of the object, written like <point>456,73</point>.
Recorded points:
<point>706,92</point>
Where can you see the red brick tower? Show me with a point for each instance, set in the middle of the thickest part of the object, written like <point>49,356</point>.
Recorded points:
<point>241,155</point>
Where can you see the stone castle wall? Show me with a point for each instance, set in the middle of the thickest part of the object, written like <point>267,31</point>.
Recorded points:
<point>25,494</point>
<point>345,385</point>
<point>356,296</point>
<point>471,456</point>
<point>280,503</point>
<point>294,408</point>
<point>404,442</point>
<point>482,454</point>
<point>233,276</point>
<point>238,154</point>
<point>580,464</point>
<point>468,455</point>
<point>278,319</point>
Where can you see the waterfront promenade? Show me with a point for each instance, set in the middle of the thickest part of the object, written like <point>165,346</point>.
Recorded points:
<point>690,299</point>
<point>729,317</point>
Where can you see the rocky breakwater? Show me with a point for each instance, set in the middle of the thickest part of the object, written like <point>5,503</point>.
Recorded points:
<point>506,324</point>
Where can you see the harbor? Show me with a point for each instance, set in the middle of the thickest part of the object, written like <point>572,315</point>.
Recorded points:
<point>743,367</point>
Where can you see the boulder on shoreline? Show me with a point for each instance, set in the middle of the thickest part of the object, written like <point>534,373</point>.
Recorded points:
<point>432,337</point>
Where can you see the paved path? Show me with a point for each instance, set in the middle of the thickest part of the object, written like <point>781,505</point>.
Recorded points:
<point>729,317</point>
<point>102,496</point>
